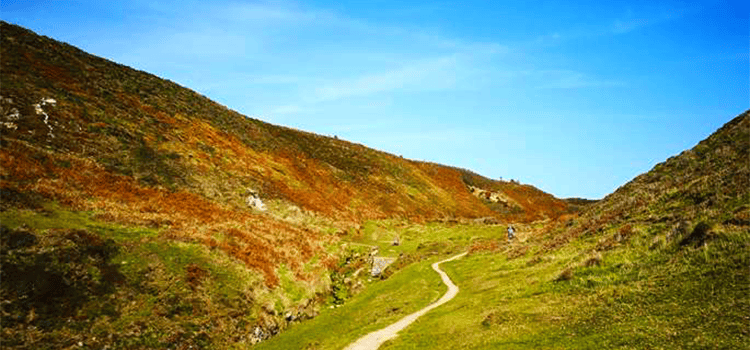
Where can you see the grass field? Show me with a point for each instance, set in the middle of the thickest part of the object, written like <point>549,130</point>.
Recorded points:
<point>648,293</point>
<point>410,286</point>
<point>125,286</point>
<point>666,298</point>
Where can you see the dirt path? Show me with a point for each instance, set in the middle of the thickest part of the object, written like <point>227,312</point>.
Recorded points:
<point>373,340</point>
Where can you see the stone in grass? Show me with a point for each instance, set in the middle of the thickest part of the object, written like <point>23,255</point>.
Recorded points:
<point>595,260</point>
<point>701,233</point>
<point>565,275</point>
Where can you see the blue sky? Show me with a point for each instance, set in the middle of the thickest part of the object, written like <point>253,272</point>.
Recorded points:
<point>576,98</point>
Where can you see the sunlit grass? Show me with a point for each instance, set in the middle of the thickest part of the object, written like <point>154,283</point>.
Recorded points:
<point>168,293</point>
<point>381,303</point>
<point>415,237</point>
<point>636,298</point>
<point>642,291</point>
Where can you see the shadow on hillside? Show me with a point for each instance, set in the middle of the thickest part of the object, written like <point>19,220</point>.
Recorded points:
<point>46,278</point>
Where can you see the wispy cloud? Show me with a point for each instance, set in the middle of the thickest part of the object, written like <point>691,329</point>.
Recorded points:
<point>276,14</point>
<point>477,48</point>
<point>567,79</point>
<point>628,22</point>
<point>291,66</point>
<point>289,109</point>
<point>438,73</point>
<point>631,20</point>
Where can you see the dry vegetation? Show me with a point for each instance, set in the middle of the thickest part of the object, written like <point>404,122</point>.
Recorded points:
<point>163,135</point>
<point>131,191</point>
<point>123,147</point>
<point>145,151</point>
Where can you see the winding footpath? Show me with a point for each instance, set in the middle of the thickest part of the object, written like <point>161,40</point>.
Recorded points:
<point>373,340</point>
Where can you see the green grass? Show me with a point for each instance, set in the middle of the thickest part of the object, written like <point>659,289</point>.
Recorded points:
<point>53,216</point>
<point>414,238</point>
<point>382,303</point>
<point>664,299</point>
<point>49,217</point>
<point>154,303</point>
<point>412,287</point>
<point>643,292</point>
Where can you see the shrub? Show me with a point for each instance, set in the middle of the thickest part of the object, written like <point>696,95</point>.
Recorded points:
<point>565,275</point>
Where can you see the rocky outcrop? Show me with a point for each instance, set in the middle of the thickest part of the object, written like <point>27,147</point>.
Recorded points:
<point>254,201</point>
<point>493,197</point>
<point>379,264</point>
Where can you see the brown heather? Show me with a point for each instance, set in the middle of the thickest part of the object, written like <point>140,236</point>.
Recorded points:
<point>124,225</point>
<point>141,150</point>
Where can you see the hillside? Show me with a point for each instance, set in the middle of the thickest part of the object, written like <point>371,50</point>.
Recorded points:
<point>126,222</point>
<point>661,263</point>
<point>707,183</point>
<point>124,198</point>
<point>164,136</point>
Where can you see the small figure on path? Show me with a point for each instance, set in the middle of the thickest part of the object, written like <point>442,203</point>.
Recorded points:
<point>511,232</point>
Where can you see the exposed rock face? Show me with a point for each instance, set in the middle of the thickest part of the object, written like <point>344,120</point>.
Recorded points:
<point>39,109</point>
<point>10,114</point>
<point>254,201</point>
<point>379,264</point>
<point>492,197</point>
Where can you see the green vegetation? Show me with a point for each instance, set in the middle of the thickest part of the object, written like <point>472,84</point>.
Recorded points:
<point>407,286</point>
<point>633,297</point>
<point>69,278</point>
<point>660,264</point>
<point>652,291</point>
<point>428,237</point>
<point>130,229</point>
<point>381,303</point>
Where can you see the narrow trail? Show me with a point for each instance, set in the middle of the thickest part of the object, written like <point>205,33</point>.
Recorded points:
<point>373,340</point>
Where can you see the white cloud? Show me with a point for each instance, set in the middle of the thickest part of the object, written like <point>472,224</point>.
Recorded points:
<point>626,23</point>
<point>289,109</point>
<point>430,74</point>
<point>274,13</point>
<point>567,79</point>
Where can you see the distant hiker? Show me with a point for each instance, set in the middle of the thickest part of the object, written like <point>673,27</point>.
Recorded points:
<point>511,232</point>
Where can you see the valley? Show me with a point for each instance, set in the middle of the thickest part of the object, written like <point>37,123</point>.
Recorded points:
<point>138,214</point>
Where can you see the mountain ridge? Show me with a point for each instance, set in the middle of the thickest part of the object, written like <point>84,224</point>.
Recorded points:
<point>126,223</point>
<point>132,107</point>
<point>660,263</point>
<point>97,156</point>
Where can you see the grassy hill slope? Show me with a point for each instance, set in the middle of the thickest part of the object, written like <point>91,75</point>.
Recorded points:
<point>662,263</point>
<point>123,212</point>
<point>162,135</point>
